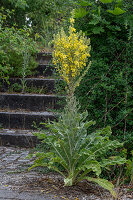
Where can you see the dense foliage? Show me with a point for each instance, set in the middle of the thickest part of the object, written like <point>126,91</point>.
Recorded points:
<point>45,16</point>
<point>106,91</point>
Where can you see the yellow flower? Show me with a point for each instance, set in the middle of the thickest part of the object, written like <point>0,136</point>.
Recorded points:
<point>64,56</point>
<point>72,29</point>
<point>72,20</point>
<point>77,53</point>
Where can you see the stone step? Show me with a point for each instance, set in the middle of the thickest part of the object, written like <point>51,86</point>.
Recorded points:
<point>44,58</point>
<point>18,138</point>
<point>45,70</point>
<point>30,102</point>
<point>23,119</point>
<point>32,84</point>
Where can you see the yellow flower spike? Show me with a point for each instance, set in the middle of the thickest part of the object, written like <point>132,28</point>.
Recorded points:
<point>70,55</point>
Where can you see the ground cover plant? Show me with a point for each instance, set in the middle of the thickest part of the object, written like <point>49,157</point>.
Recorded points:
<point>72,151</point>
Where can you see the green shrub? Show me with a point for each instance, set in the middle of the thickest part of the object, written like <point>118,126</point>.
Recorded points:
<point>106,90</point>
<point>14,43</point>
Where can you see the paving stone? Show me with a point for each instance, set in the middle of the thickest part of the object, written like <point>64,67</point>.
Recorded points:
<point>13,195</point>
<point>15,180</point>
<point>6,194</point>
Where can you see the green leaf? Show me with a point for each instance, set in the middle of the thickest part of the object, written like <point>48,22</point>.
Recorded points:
<point>94,21</point>
<point>113,161</point>
<point>106,1</point>
<point>116,11</point>
<point>88,124</point>
<point>38,165</point>
<point>93,166</point>
<point>103,183</point>
<point>106,131</point>
<point>40,135</point>
<point>84,3</point>
<point>97,30</point>
<point>81,12</point>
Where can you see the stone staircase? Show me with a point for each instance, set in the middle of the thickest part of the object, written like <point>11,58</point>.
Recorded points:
<point>20,111</point>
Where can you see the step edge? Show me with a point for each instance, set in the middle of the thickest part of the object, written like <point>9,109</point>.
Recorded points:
<point>30,95</point>
<point>27,113</point>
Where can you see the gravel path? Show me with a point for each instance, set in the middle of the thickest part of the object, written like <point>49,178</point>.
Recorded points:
<point>18,184</point>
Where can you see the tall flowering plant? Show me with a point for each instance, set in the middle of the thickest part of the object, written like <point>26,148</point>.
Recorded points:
<point>70,55</point>
<point>72,152</point>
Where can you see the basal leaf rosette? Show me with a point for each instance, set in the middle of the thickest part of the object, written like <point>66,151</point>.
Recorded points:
<point>71,53</point>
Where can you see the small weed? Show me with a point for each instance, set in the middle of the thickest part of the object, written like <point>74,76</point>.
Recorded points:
<point>16,87</point>
<point>36,90</point>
